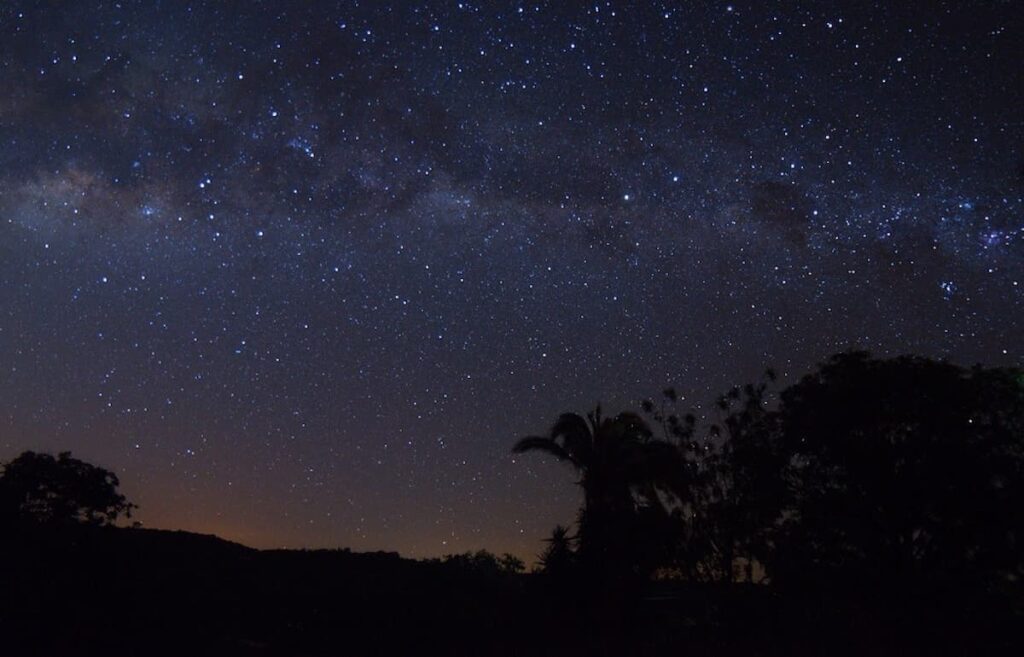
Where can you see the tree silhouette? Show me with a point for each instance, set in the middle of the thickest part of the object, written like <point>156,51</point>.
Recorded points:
<point>740,490</point>
<point>901,469</point>
<point>621,468</point>
<point>729,491</point>
<point>483,562</point>
<point>558,557</point>
<point>43,489</point>
<point>867,469</point>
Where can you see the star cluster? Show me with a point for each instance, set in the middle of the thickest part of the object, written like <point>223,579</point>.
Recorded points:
<point>302,272</point>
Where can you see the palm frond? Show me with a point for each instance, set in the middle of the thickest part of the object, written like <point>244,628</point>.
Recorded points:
<point>542,444</point>
<point>631,423</point>
<point>576,436</point>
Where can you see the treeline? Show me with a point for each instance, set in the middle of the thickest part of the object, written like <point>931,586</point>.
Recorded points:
<point>866,473</point>
<point>874,506</point>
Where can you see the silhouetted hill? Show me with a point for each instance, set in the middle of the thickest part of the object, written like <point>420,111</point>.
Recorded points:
<point>102,590</point>
<point>80,590</point>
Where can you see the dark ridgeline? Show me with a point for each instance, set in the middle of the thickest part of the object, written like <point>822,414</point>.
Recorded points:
<point>873,507</point>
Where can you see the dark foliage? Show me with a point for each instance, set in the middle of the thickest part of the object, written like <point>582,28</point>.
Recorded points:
<point>559,557</point>
<point>903,470</point>
<point>873,507</point>
<point>884,470</point>
<point>42,488</point>
<point>879,495</point>
<point>622,470</point>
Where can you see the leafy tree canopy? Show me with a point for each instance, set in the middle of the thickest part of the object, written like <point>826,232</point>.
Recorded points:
<point>42,488</point>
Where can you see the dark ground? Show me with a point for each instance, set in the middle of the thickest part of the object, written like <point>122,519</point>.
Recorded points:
<point>106,591</point>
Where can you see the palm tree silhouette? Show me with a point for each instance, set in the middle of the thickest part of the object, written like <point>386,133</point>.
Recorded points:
<point>620,467</point>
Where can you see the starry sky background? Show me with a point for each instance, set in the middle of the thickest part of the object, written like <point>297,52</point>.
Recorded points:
<point>302,275</point>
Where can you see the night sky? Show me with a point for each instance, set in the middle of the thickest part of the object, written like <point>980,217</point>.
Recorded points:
<point>302,275</point>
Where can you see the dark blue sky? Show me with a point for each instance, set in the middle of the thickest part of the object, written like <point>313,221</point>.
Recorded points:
<point>301,276</point>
